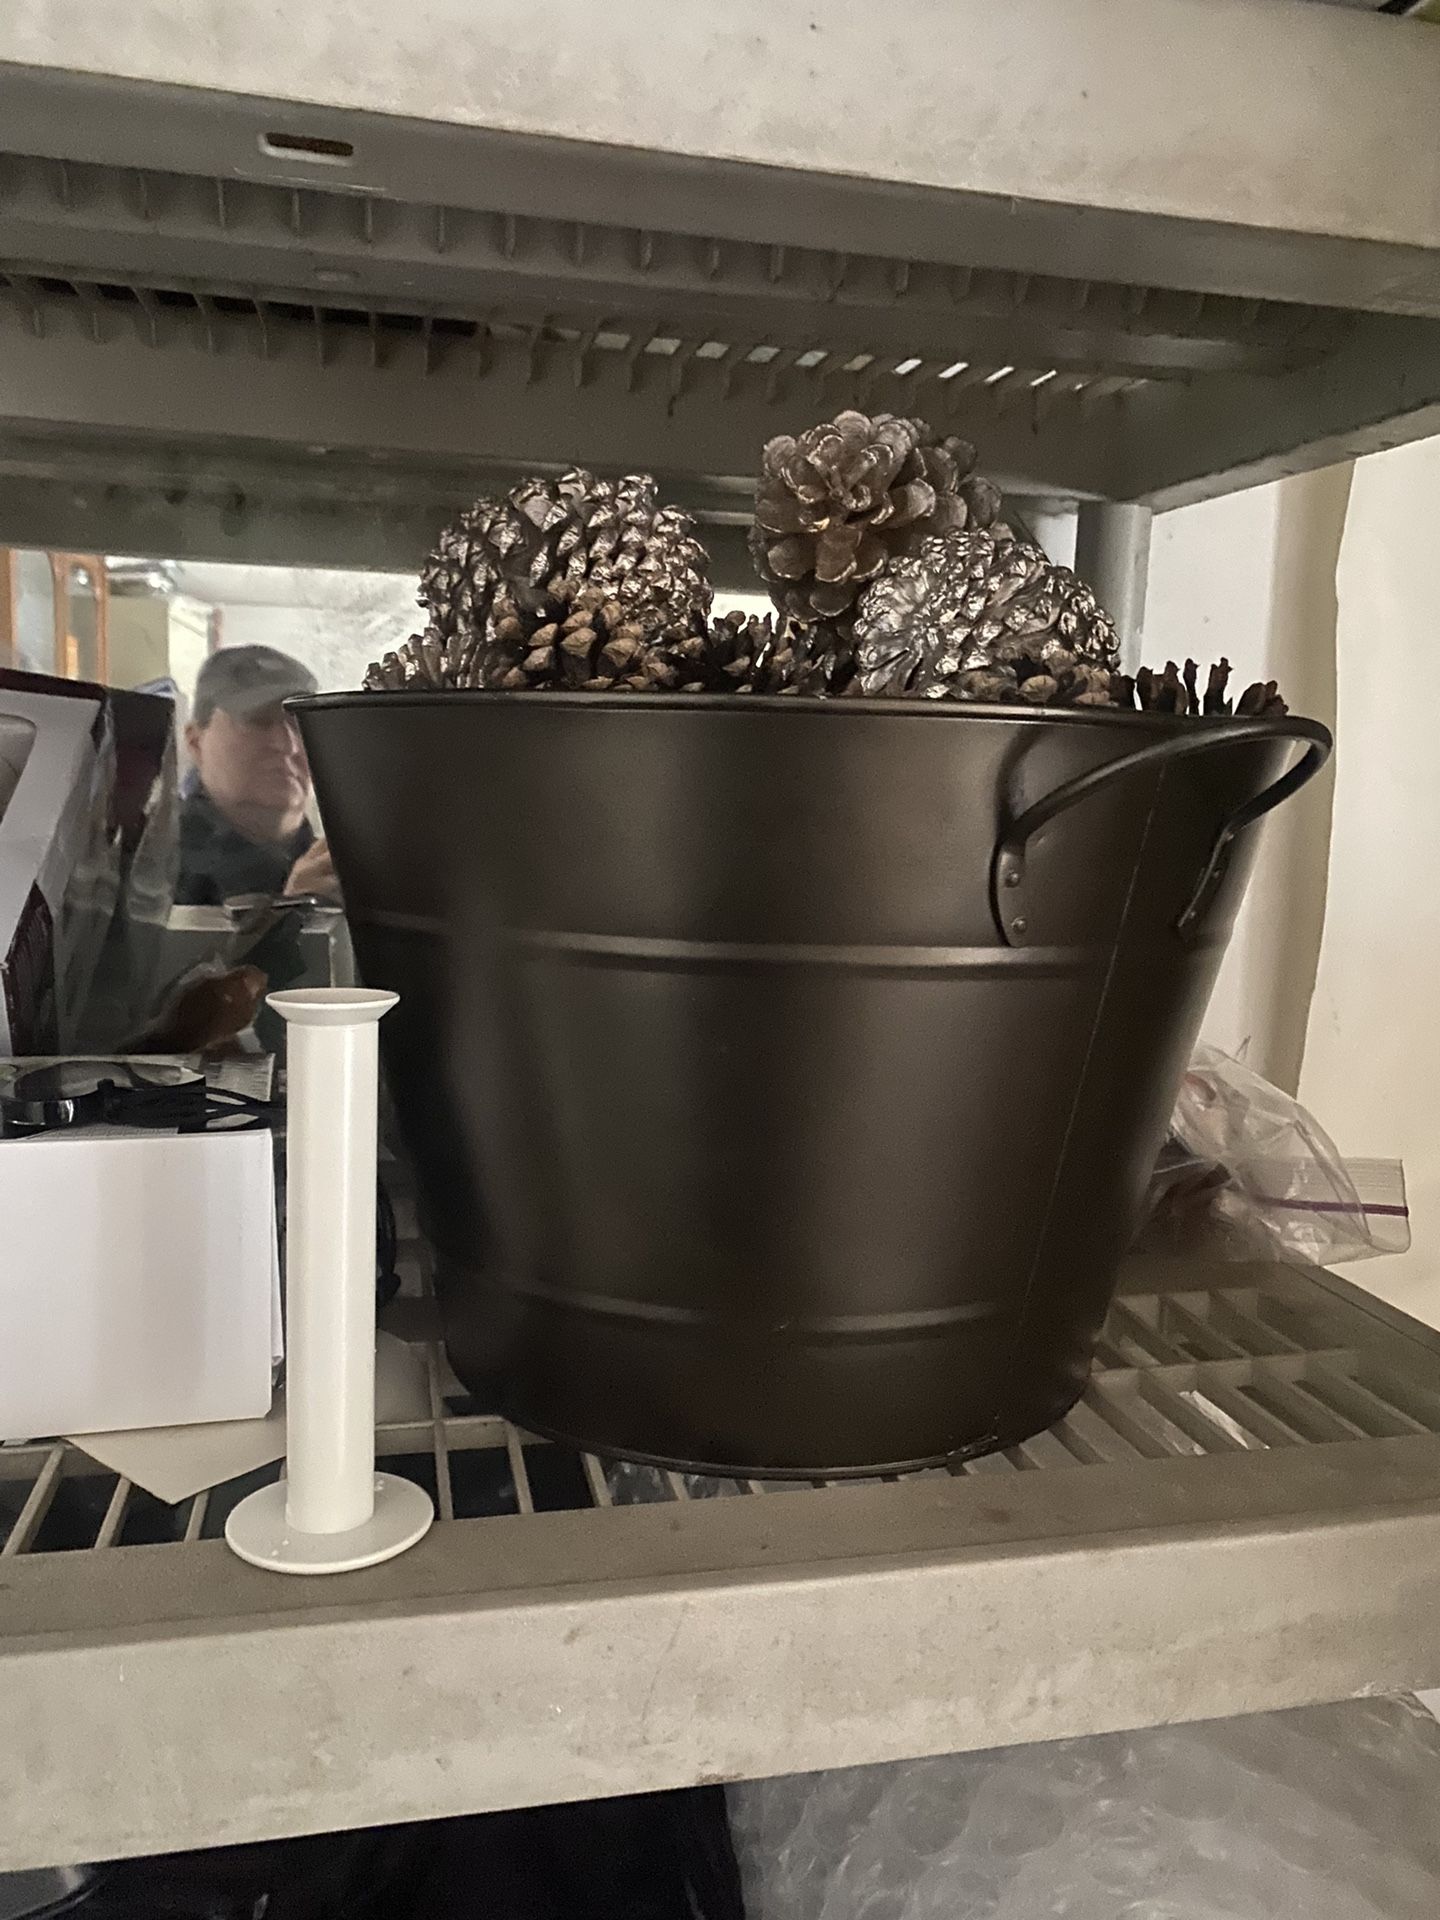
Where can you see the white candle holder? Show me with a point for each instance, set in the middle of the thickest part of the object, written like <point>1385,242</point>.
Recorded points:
<point>332,1512</point>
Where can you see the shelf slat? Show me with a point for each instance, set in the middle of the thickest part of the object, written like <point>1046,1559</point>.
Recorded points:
<point>1164,121</point>
<point>1100,240</point>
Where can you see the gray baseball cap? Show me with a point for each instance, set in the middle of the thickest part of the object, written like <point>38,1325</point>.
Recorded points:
<point>242,680</point>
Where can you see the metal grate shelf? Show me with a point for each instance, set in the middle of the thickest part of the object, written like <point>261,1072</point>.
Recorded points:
<point>1243,1511</point>
<point>1185,1374</point>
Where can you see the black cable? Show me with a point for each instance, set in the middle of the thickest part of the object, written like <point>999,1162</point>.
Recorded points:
<point>79,1093</point>
<point>387,1248</point>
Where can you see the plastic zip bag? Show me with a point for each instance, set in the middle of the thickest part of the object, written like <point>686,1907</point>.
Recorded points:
<point>1247,1170</point>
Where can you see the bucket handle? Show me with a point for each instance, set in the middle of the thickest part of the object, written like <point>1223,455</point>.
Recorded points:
<point>1008,871</point>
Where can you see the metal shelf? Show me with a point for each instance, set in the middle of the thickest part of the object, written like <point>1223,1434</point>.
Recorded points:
<point>1139,250</point>
<point>1240,1514</point>
<point>412,255</point>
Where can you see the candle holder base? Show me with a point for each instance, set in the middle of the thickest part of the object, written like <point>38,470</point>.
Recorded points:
<point>259,1532</point>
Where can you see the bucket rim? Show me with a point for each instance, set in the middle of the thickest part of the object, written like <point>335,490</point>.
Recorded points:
<point>1288,725</point>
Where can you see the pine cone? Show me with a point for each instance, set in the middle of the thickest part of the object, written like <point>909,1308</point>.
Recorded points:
<point>458,582</point>
<point>974,616</point>
<point>836,504</point>
<point>1175,692</point>
<point>749,655</point>
<point>422,662</point>
<point>582,640</point>
<point>576,531</point>
<point>594,647</point>
<point>528,559</point>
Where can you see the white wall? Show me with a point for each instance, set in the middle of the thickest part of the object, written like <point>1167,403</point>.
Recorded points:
<point>1251,577</point>
<point>1331,583</point>
<point>1211,585</point>
<point>1372,1056</point>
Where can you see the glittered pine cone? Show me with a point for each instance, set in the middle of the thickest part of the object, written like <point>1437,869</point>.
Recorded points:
<point>527,559</point>
<point>749,654</point>
<point>593,647</point>
<point>972,614</point>
<point>836,504</point>
<point>610,534</point>
<point>570,640</point>
<point>422,662</point>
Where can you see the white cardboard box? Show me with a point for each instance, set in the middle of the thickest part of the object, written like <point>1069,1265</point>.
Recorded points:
<point>139,1280</point>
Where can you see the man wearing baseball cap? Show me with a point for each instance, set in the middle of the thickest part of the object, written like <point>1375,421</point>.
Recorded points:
<point>243,828</point>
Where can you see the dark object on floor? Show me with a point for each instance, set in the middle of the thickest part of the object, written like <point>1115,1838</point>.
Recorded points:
<point>653,1857</point>
<point>663,1856</point>
<point>47,1892</point>
<point>330,1876</point>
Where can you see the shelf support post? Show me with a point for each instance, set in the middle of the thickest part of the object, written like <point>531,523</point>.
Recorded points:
<point>1112,555</point>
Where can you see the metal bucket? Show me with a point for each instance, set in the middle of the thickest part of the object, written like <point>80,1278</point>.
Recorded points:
<point>783,1077</point>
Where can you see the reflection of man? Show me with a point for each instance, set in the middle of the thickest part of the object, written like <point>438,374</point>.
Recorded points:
<point>243,828</point>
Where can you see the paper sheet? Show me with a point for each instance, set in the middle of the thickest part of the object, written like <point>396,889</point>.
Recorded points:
<point>175,1463</point>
